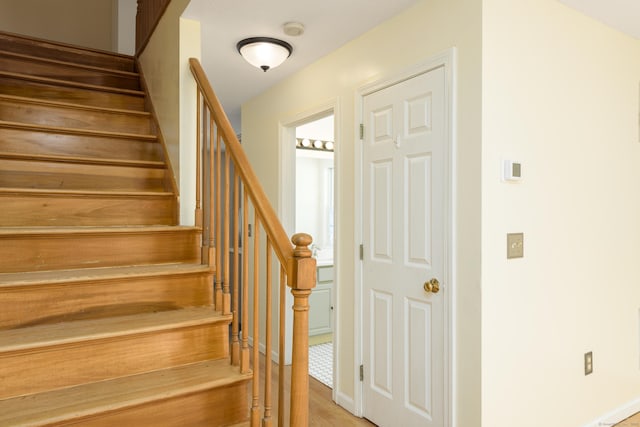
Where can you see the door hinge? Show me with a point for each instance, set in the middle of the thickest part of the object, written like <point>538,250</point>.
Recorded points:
<point>361,252</point>
<point>361,372</point>
<point>361,131</point>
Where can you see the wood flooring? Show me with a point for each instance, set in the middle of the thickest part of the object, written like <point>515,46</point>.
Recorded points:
<point>633,421</point>
<point>323,412</point>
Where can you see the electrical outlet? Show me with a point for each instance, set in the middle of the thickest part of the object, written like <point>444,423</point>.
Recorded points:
<point>588,363</point>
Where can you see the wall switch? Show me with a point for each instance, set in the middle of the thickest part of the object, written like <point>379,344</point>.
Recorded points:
<point>588,363</point>
<point>515,245</point>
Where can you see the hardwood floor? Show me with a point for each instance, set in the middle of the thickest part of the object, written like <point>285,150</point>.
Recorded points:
<point>323,412</point>
<point>633,421</point>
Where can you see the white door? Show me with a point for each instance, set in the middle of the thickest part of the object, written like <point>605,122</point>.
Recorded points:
<point>403,237</point>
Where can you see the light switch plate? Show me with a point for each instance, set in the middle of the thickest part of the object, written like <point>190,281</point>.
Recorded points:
<point>515,245</point>
<point>588,363</point>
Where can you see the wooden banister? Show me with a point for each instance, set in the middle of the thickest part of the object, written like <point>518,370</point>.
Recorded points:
<point>214,212</point>
<point>271,223</point>
<point>305,269</point>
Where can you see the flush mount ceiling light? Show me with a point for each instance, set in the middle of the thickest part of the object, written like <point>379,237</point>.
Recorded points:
<point>264,52</point>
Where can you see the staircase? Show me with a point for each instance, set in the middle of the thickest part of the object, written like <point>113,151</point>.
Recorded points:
<point>107,312</point>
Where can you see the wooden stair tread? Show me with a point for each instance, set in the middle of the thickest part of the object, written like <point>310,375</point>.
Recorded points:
<point>52,231</point>
<point>83,193</point>
<point>34,278</point>
<point>110,395</point>
<point>77,53</point>
<point>69,105</point>
<point>81,130</point>
<point>76,131</point>
<point>83,160</point>
<point>64,247</point>
<point>70,64</point>
<point>72,84</point>
<point>34,337</point>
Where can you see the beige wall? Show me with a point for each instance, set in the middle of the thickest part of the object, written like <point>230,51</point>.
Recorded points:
<point>124,26</point>
<point>560,94</point>
<point>83,22</point>
<point>164,63</point>
<point>189,48</point>
<point>429,28</point>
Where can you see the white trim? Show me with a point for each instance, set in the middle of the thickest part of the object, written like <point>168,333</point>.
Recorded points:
<point>446,59</point>
<point>357,234</point>
<point>345,401</point>
<point>451,74</point>
<point>337,231</point>
<point>617,415</point>
<point>287,156</point>
<point>287,175</point>
<point>286,212</point>
<point>262,349</point>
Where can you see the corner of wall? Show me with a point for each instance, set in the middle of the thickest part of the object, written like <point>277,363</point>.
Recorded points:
<point>164,62</point>
<point>124,26</point>
<point>190,41</point>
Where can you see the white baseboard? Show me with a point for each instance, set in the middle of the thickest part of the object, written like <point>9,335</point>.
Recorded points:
<point>617,415</point>
<point>346,402</point>
<point>263,348</point>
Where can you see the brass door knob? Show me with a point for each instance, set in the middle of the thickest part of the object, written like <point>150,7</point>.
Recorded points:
<point>432,286</point>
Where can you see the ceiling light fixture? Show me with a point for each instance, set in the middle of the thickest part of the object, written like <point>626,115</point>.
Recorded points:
<point>264,52</point>
<point>315,145</point>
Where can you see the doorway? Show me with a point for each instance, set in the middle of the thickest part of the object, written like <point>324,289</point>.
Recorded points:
<point>314,214</point>
<point>406,286</point>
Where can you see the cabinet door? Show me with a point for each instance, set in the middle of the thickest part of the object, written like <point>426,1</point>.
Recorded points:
<point>320,310</point>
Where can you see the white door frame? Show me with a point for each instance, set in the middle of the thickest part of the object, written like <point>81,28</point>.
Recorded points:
<point>287,209</point>
<point>447,60</point>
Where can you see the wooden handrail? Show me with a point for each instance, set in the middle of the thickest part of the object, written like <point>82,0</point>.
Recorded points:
<point>276,233</point>
<point>297,267</point>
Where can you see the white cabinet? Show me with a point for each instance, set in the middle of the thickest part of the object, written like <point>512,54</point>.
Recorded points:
<point>321,309</point>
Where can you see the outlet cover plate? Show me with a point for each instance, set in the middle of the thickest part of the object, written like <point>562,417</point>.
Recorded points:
<point>515,245</point>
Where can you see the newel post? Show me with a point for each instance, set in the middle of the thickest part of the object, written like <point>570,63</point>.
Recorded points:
<point>303,280</point>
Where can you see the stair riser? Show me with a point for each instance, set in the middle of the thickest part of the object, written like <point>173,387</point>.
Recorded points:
<point>221,406</point>
<point>64,210</point>
<point>100,249</point>
<point>97,360</point>
<point>69,73</point>
<point>75,176</point>
<point>58,144</point>
<point>95,98</point>
<point>13,43</point>
<point>41,114</point>
<point>62,302</point>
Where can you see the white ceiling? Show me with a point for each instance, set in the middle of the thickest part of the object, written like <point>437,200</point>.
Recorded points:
<point>329,24</point>
<point>623,15</point>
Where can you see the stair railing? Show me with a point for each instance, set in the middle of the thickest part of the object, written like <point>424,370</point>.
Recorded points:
<point>148,15</point>
<point>227,190</point>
